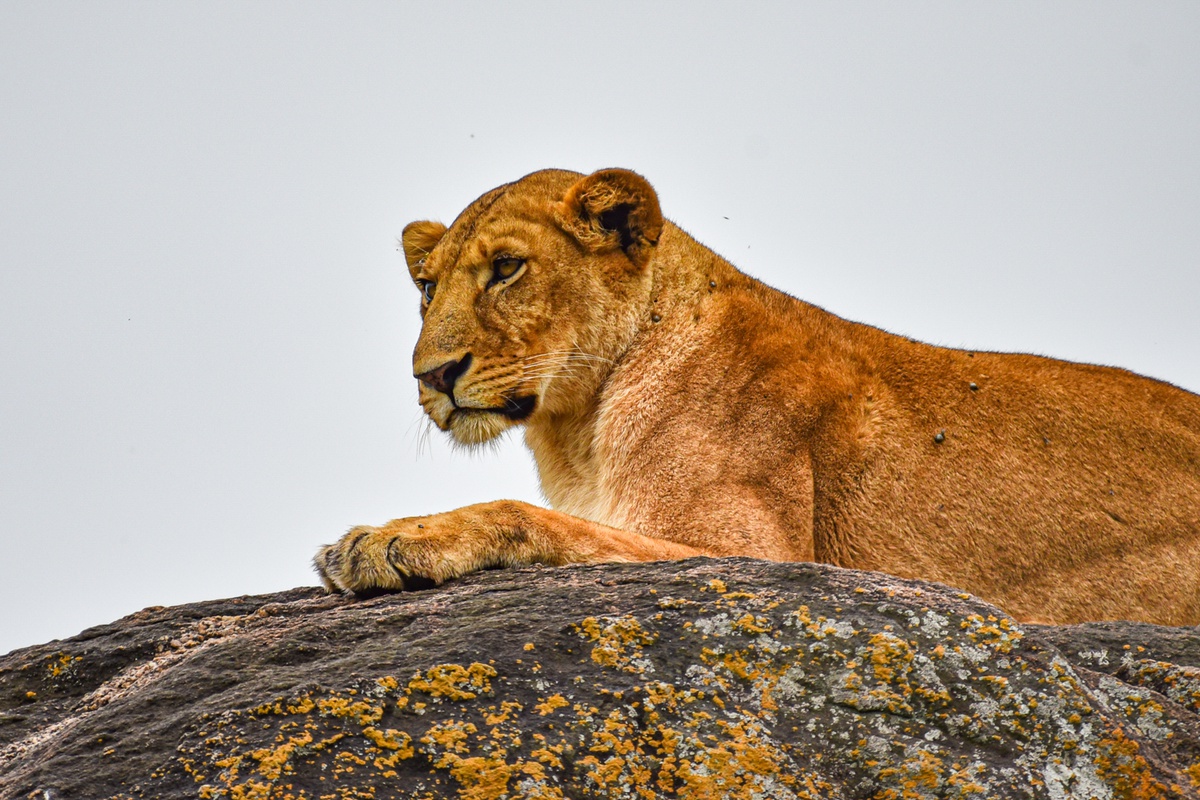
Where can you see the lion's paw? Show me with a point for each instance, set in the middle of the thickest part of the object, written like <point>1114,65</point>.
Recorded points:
<point>368,560</point>
<point>419,552</point>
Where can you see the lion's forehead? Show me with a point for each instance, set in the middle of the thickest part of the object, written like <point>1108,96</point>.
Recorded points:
<point>515,226</point>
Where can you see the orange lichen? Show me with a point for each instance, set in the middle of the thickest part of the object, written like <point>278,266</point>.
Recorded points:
<point>887,654</point>
<point>749,623</point>
<point>455,682</point>
<point>390,739</point>
<point>618,642</point>
<point>274,762</point>
<point>503,713</point>
<point>361,711</point>
<point>1125,770</point>
<point>996,634</point>
<point>448,738</point>
<point>547,706</point>
<point>58,665</point>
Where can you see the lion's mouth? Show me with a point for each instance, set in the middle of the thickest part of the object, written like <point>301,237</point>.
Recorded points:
<point>518,408</point>
<point>515,408</point>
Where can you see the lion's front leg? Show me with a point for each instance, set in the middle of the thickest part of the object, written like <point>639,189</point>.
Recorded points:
<point>411,552</point>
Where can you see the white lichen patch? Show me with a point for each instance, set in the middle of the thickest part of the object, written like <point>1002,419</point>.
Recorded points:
<point>1076,782</point>
<point>1138,705</point>
<point>717,625</point>
<point>935,624</point>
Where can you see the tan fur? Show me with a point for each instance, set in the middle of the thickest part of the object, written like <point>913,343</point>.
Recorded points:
<point>680,407</point>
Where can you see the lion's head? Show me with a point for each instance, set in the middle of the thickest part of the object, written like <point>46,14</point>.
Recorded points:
<point>529,296</point>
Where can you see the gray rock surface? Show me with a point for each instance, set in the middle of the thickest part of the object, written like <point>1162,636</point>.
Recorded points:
<point>694,679</point>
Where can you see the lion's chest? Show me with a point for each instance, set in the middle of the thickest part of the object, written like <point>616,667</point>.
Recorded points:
<point>572,471</point>
<point>571,487</point>
<point>597,470</point>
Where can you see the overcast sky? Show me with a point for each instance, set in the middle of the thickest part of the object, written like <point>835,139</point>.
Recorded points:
<point>206,332</point>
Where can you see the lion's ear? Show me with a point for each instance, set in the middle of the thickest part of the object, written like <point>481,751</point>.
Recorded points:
<point>613,209</point>
<point>418,240</point>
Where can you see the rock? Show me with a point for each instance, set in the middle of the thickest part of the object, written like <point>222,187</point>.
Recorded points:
<point>695,679</point>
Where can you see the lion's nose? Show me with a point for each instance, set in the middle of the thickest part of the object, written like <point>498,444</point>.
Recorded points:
<point>442,378</point>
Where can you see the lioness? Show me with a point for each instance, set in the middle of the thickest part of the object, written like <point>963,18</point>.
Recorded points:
<point>677,407</point>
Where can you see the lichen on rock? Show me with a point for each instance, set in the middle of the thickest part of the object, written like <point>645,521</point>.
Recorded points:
<point>697,679</point>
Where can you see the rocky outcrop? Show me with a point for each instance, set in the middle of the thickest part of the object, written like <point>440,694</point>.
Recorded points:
<point>693,679</point>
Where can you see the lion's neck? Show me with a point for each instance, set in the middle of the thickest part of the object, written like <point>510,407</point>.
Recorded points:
<point>683,273</point>
<point>569,472</point>
<point>572,448</point>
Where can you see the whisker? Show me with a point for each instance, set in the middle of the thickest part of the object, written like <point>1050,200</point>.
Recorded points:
<point>412,434</point>
<point>417,434</point>
<point>563,365</point>
<point>577,354</point>
<point>553,374</point>
<point>426,442</point>
<point>557,369</point>
<point>559,364</point>
<point>576,379</point>
<point>565,357</point>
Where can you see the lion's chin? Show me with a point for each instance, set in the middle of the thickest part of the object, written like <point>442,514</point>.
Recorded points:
<point>472,426</point>
<point>476,427</point>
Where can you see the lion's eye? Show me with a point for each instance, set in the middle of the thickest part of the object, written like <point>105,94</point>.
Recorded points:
<point>426,288</point>
<point>504,267</point>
